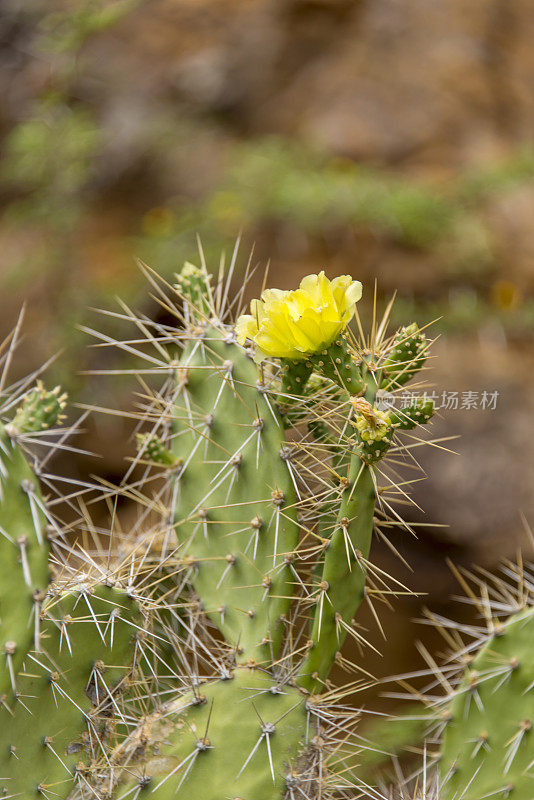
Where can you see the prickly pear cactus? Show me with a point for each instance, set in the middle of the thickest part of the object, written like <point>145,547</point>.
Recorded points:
<point>476,737</point>
<point>269,436</point>
<point>235,510</point>
<point>68,649</point>
<point>194,661</point>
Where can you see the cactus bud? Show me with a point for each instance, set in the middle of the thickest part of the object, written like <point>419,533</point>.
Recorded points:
<point>374,430</point>
<point>193,284</point>
<point>39,411</point>
<point>152,447</point>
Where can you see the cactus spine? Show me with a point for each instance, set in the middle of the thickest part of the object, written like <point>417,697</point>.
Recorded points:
<point>482,723</point>
<point>234,524</point>
<point>68,703</point>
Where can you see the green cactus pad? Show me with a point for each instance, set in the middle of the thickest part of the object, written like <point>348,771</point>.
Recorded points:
<point>337,363</point>
<point>68,692</point>
<point>342,582</point>
<point>295,375</point>
<point>235,511</point>
<point>406,357</point>
<point>231,739</point>
<point>488,744</point>
<point>24,569</point>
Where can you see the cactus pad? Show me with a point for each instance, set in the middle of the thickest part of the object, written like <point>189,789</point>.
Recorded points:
<point>488,745</point>
<point>23,559</point>
<point>68,692</point>
<point>235,513</point>
<point>235,739</point>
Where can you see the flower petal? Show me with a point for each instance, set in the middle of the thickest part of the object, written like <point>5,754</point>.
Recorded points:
<point>293,324</point>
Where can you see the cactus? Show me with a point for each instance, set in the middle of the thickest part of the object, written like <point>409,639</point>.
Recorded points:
<point>24,570</point>
<point>196,660</point>
<point>67,701</point>
<point>67,647</point>
<point>216,628</point>
<point>238,492</point>
<point>405,358</point>
<point>482,723</point>
<point>487,745</point>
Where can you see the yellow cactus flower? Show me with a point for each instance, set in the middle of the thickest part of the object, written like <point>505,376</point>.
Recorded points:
<point>296,324</point>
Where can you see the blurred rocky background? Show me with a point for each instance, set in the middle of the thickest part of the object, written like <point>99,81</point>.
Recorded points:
<point>392,139</point>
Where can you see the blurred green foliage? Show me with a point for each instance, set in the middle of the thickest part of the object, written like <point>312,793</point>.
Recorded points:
<point>52,175</point>
<point>66,30</point>
<point>276,182</point>
<point>49,160</point>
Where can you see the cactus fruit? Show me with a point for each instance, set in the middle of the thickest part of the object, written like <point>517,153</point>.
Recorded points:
<point>405,358</point>
<point>295,375</point>
<point>407,418</point>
